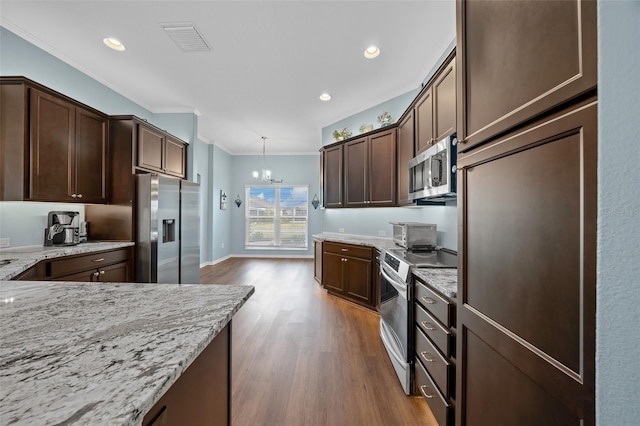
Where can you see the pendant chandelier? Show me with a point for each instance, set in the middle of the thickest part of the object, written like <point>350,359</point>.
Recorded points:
<point>265,176</point>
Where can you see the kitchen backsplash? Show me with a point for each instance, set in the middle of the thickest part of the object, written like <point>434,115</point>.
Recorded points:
<point>373,221</point>
<point>24,222</point>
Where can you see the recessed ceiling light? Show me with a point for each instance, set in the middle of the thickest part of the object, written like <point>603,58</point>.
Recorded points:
<point>325,97</point>
<point>371,52</point>
<point>113,43</point>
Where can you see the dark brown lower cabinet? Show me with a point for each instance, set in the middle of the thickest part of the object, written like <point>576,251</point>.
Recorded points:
<point>202,394</point>
<point>317,260</point>
<point>103,266</point>
<point>526,308</point>
<point>347,272</point>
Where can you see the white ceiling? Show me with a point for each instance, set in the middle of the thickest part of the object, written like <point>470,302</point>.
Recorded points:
<point>270,60</point>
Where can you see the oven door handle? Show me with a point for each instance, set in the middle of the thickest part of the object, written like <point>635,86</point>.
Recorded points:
<point>401,289</point>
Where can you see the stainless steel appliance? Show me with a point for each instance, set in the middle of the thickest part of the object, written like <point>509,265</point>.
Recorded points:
<point>62,229</point>
<point>415,235</point>
<point>168,230</point>
<point>396,303</point>
<point>432,174</point>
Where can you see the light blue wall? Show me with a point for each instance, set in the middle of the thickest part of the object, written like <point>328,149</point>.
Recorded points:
<point>395,107</point>
<point>220,233</point>
<point>21,58</point>
<point>295,170</point>
<point>373,220</point>
<point>618,276</point>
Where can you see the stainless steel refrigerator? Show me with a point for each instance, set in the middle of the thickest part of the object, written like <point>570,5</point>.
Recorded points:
<point>168,230</point>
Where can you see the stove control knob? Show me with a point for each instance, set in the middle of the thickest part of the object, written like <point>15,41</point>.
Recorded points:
<point>454,168</point>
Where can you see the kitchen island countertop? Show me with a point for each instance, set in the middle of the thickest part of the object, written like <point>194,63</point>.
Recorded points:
<point>93,353</point>
<point>22,258</point>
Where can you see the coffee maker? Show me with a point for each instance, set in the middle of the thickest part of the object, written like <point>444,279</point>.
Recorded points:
<point>63,229</point>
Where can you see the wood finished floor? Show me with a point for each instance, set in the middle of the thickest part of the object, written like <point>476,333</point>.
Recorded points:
<point>302,357</point>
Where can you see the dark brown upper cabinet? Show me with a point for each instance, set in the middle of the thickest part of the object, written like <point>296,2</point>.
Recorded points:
<point>435,108</point>
<point>158,151</point>
<point>331,178</point>
<point>518,60</point>
<point>53,148</point>
<point>370,170</point>
<point>405,153</point>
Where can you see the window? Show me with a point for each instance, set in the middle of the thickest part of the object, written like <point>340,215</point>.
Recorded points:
<point>276,216</point>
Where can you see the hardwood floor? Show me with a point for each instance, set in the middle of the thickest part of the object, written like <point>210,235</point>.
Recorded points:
<point>302,357</point>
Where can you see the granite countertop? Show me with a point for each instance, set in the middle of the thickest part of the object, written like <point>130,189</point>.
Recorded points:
<point>23,258</point>
<point>380,243</point>
<point>101,353</point>
<point>441,279</point>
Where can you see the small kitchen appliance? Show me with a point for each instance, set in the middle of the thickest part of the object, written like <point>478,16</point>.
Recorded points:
<point>414,235</point>
<point>432,174</point>
<point>62,229</point>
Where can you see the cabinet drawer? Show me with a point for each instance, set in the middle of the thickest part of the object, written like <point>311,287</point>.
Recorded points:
<point>440,408</point>
<point>434,330</point>
<point>436,304</point>
<point>348,250</point>
<point>65,266</point>
<point>437,366</point>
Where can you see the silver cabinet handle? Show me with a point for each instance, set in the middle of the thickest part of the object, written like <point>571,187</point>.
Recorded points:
<point>74,196</point>
<point>428,325</point>
<point>424,356</point>
<point>98,260</point>
<point>344,249</point>
<point>424,393</point>
<point>79,195</point>
<point>101,272</point>
<point>428,300</point>
<point>96,274</point>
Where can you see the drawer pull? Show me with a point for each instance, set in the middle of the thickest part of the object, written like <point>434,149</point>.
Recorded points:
<point>96,274</point>
<point>424,356</point>
<point>344,249</point>
<point>424,393</point>
<point>98,260</point>
<point>427,326</point>
<point>428,300</point>
<point>101,272</point>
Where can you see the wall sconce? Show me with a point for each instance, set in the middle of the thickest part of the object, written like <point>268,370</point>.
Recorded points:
<point>315,202</point>
<point>223,200</point>
<point>238,200</point>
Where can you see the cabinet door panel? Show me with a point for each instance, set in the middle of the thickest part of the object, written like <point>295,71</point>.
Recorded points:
<point>382,169</point>
<point>405,153</point>
<point>332,272</point>
<point>424,122</point>
<point>520,59</point>
<point>52,148</point>
<point>150,148</point>
<point>120,273</point>
<point>84,276</point>
<point>332,176</point>
<point>174,157</point>
<point>355,163</point>
<point>528,268</point>
<point>91,156</point>
<point>357,276</point>
<point>317,264</point>
<point>444,99</point>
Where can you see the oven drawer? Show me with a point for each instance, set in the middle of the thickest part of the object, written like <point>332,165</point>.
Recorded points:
<point>439,406</point>
<point>348,250</point>
<point>438,367</point>
<point>438,306</point>
<point>434,330</point>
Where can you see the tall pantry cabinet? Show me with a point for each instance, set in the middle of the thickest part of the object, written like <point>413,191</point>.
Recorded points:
<point>527,114</point>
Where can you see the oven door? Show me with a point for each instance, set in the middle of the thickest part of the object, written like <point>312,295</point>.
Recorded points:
<point>395,317</point>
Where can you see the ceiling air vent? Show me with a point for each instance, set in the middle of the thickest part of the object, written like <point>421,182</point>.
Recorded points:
<point>186,37</point>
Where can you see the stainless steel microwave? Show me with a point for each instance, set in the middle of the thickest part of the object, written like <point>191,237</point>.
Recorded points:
<point>432,174</point>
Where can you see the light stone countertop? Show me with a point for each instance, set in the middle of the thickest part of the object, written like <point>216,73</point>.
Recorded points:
<point>23,258</point>
<point>93,353</point>
<point>443,280</point>
<point>380,243</point>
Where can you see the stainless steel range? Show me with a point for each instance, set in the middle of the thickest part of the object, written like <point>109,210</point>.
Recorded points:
<point>396,302</point>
